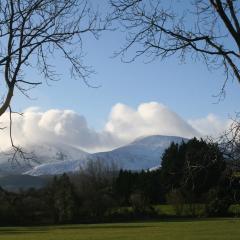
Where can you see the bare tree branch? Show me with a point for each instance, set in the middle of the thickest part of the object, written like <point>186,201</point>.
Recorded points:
<point>32,33</point>
<point>206,29</point>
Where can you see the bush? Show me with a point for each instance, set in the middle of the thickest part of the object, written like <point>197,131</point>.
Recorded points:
<point>140,203</point>
<point>176,199</point>
<point>235,210</point>
<point>217,204</point>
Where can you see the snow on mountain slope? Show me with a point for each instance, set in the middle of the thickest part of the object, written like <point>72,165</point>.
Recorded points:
<point>40,154</point>
<point>59,152</point>
<point>143,153</point>
<point>57,168</point>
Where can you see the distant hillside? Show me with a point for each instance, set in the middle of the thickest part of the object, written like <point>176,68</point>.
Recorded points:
<point>16,182</point>
<point>143,153</point>
<point>40,154</point>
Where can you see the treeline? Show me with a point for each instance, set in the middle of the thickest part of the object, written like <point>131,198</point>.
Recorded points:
<point>193,175</point>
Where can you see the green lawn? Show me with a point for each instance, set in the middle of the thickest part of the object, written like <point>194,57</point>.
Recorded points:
<point>201,229</point>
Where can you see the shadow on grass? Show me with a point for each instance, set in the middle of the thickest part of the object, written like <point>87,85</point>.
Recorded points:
<point>23,230</point>
<point>129,225</point>
<point>105,226</point>
<point>45,230</point>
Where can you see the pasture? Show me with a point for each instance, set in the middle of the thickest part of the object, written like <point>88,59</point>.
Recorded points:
<point>212,229</point>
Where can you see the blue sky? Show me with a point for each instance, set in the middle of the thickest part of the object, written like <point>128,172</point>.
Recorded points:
<point>187,89</point>
<point>134,99</point>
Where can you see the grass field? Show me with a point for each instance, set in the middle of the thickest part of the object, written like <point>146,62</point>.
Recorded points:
<point>226,229</point>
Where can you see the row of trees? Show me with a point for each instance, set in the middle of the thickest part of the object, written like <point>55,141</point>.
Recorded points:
<point>193,174</point>
<point>83,197</point>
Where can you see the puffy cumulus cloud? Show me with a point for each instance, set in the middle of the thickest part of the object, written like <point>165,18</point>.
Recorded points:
<point>210,125</point>
<point>55,126</point>
<point>149,119</point>
<point>123,126</point>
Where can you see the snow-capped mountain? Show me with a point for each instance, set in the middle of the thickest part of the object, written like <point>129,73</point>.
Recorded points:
<point>143,153</point>
<point>56,168</point>
<point>38,155</point>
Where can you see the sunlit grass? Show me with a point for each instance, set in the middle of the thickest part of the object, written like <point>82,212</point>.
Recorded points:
<point>223,229</point>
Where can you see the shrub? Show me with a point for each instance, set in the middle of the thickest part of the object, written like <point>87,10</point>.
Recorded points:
<point>176,199</point>
<point>217,203</point>
<point>235,210</point>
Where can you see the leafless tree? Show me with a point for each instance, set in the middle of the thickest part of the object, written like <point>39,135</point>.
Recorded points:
<point>229,142</point>
<point>207,30</point>
<point>32,33</point>
<point>204,30</point>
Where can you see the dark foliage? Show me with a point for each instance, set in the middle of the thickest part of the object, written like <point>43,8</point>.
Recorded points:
<point>193,174</point>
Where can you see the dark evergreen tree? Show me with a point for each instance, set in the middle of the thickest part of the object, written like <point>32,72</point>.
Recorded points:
<point>194,167</point>
<point>173,161</point>
<point>62,199</point>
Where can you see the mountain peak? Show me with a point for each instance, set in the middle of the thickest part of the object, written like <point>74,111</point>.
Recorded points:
<point>143,153</point>
<point>152,139</point>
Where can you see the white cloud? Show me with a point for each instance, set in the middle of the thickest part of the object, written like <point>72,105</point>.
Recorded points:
<point>211,125</point>
<point>55,126</point>
<point>149,119</point>
<point>123,126</point>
